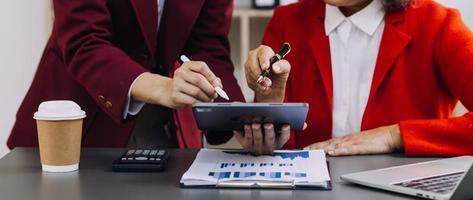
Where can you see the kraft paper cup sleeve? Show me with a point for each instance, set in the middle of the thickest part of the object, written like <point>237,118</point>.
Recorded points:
<point>59,125</point>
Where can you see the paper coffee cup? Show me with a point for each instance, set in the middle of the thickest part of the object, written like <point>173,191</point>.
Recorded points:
<point>59,126</point>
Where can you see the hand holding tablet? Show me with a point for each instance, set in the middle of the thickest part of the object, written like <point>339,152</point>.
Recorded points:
<point>259,127</point>
<point>233,116</point>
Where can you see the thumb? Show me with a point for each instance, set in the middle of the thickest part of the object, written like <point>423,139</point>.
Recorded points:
<point>238,136</point>
<point>282,67</point>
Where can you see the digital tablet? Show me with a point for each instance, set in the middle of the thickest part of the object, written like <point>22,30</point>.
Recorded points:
<point>233,116</point>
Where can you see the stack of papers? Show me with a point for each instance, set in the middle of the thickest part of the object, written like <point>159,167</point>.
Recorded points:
<point>283,169</point>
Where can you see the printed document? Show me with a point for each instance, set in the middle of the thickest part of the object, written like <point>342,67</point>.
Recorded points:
<point>307,168</point>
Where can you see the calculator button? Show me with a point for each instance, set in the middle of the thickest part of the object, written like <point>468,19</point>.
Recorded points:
<point>153,152</point>
<point>130,152</point>
<point>136,154</point>
<point>141,158</point>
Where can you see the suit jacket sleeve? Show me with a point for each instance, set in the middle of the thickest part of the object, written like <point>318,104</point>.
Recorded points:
<point>453,55</point>
<point>84,32</point>
<point>208,42</point>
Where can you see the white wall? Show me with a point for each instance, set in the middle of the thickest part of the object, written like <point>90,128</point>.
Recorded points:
<point>465,7</point>
<point>25,27</point>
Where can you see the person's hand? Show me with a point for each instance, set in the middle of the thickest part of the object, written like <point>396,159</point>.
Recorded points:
<point>273,87</point>
<point>380,140</point>
<point>262,139</point>
<point>192,82</point>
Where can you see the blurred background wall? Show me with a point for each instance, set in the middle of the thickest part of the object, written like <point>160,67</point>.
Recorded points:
<point>24,29</point>
<point>26,24</point>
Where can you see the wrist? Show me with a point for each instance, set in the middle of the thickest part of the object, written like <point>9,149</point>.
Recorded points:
<point>276,95</point>
<point>151,88</point>
<point>263,98</point>
<point>395,137</point>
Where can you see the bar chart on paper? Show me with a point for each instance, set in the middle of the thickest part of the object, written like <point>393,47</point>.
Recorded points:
<point>273,175</point>
<point>217,166</point>
<point>282,169</point>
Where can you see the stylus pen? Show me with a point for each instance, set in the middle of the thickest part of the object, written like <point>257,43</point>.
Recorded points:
<point>219,90</point>
<point>283,51</point>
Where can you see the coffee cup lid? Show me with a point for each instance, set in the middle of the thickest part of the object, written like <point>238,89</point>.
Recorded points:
<point>59,110</point>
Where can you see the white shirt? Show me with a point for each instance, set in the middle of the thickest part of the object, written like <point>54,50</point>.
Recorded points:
<point>133,107</point>
<point>354,46</point>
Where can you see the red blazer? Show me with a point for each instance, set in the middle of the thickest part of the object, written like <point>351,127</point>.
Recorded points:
<point>97,48</point>
<point>425,65</point>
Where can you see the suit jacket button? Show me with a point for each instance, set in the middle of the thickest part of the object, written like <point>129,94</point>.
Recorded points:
<point>101,99</point>
<point>108,105</point>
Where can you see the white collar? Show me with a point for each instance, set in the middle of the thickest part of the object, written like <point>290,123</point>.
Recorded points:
<point>367,20</point>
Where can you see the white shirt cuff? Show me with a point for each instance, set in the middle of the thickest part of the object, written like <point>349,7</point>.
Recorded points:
<point>132,107</point>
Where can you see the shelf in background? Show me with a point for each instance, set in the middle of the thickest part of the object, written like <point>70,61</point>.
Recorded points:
<point>239,12</point>
<point>248,27</point>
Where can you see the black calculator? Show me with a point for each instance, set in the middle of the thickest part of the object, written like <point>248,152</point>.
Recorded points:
<point>141,160</point>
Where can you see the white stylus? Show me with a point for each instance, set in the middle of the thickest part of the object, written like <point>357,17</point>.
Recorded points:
<point>219,90</point>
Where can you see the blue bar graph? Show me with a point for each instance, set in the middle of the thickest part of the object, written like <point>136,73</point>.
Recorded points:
<point>273,175</point>
<point>224,165</point>
<point>296,174</point>
<point>249,165</point>
<point>293,155</point>
<point>243,174</point>
<point>270,174</point>
<point>220,175</point>
<point>286,164</point>
<point>280,167</point>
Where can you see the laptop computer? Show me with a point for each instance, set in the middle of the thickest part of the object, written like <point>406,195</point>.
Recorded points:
<point>450,178</point>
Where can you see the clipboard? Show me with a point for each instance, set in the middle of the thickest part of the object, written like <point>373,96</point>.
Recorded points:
<point>256,185</point>
<point>264,186</point>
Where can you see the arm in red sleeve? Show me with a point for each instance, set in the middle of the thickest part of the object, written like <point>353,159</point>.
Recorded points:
<point>208,42</point>
<point>84,32</point>
<point>454,57</point>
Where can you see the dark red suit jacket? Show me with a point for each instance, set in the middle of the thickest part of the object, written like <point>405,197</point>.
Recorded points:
<point>97,48</point>
<point>424,66</point>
